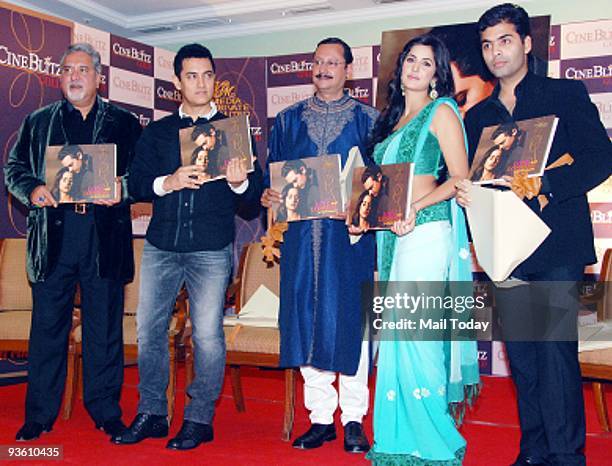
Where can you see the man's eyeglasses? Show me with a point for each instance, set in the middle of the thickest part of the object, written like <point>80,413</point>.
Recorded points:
<point>328,63</point>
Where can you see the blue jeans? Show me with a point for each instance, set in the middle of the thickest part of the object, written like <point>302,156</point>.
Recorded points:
<point>206,275</point>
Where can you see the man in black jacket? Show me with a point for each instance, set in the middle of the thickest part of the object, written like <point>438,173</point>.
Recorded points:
<point>70,243</point>
<point>188,241</point>
<point>546,373</point>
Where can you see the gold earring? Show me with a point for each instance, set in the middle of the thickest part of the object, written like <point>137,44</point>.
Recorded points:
<point>433,94</point>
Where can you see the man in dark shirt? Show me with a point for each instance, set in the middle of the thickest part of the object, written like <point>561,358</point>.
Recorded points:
<point>546,373</point>
<point>189,240</point>
<point>70,243</point>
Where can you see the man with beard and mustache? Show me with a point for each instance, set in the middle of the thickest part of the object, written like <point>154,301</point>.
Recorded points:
<point>74,243</point>
<point>321,272</point>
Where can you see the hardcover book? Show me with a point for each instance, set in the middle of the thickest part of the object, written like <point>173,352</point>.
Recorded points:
<point>213,144</point>
<point>511,147</point>
<point>82,173</point>
<point>381,195</point>
<point>310,188</point>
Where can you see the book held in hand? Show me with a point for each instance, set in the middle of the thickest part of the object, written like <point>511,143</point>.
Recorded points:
<point>310,188</point>
<point>381,195</point>
<point>511,147</point>
<point>213,144</point>
<point>82,173</point>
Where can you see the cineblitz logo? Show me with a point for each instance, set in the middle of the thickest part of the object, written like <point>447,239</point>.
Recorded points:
<point>293,66</point>
<point>98,44</point>
<point>172,95</point>
<point>592,72</point>
<point>132,53</point>
<point>28,62</point>
<point>132,85</point>
<point>596,35</point>
<point>142,119</point>
<point>601,217</point>
<point>358,92</point>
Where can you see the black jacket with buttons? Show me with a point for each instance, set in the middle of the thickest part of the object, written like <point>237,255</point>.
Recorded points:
<point>579,132</point>
<point>190,219</point>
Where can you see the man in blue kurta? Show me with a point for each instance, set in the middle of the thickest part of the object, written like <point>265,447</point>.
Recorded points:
<point>321,272</point>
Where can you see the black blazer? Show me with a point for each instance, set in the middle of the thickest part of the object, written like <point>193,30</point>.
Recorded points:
<point>579,132</point>
<point>25,170</point>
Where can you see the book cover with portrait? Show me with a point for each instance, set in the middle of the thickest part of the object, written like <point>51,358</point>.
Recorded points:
<point>213,144</point>
<point>309,187</point>
<point>511,147</point>
<point>380,196</point>
<point>82,172</point>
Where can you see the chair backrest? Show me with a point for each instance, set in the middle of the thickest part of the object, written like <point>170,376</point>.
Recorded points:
<point>604,308</point>
<point>15,291</point>
<point>132,289</point>
<point>254,272</point>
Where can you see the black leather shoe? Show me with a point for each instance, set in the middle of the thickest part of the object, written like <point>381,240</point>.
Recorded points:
<point>113,427</point>
<point>144,426</point>
<point>191,435</point>
<point>355,440</point>
<point>31,431</point>
<point>316,435</point>
<point>529,461</point>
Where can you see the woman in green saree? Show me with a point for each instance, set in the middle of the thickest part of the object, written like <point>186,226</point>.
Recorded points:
<point>422,386</point>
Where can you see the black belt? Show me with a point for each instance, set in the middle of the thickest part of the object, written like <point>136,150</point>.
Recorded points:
<point>80,208</point>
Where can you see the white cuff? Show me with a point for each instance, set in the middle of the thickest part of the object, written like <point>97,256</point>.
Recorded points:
<point>158,186</point>
<point>240,188</point>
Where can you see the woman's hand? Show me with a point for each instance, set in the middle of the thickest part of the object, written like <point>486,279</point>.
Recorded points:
<point>403,227</point>
<point>354,230</point>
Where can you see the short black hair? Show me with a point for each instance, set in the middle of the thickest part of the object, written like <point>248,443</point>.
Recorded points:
<point>506,13</point>
<point>292,166</point>
<point>505,128</point>
<point>69,151</point>
<point>463,44</point>
<point>348,55</point>
<point>191,51</point>
<point>201,129</point>
<point>371,171</point>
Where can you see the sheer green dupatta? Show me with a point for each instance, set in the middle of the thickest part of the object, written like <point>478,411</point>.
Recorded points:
<point>461,356</point>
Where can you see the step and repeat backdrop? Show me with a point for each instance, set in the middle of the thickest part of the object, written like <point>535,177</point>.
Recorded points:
<point>138,77</point>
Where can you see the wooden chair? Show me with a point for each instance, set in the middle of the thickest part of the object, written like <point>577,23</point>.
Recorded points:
<point>253,346</point>
<point>75,373</point>
<point>15,298</point>
<point>596,357</point>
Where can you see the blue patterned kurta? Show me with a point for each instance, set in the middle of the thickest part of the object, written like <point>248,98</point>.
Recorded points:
<point>320,311</point>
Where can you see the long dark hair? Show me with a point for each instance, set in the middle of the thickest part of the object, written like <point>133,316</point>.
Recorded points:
<point>395,100</point>
<point>371,218</point>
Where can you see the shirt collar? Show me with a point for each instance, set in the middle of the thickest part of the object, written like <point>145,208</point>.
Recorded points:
<point>71,108</point>
<point>332,103</point>
<point>520,88</point>
<point>208,116</point>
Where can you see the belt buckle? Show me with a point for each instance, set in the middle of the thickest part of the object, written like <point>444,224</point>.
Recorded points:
<point>80,208</point>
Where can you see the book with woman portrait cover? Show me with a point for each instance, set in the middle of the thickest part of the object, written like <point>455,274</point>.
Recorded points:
<point>380,196</point>
<point>309,187</point>
<point>511,147</point>
<point>82,173</point>
<point>213,144</point>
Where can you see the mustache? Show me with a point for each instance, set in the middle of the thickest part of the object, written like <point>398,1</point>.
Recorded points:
<point>321,75</point>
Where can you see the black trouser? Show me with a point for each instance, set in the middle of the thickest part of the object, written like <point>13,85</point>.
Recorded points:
<point>546,372</point>
<point>101,316</point>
